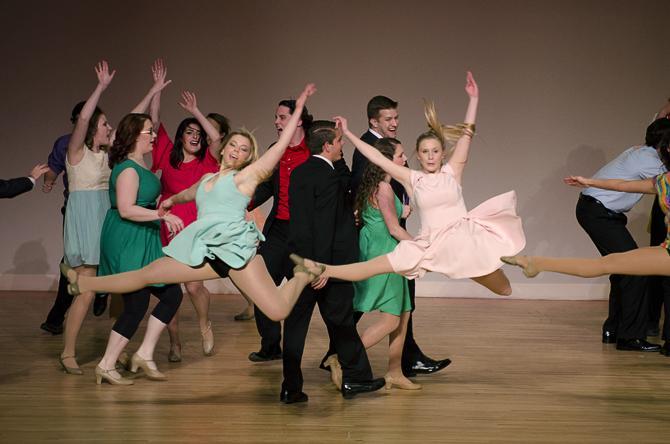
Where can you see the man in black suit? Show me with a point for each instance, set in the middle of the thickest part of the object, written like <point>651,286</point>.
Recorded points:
<point>13,187</point>
<point>274,249</point>
<point>323,229</point>
<point>383,121</point>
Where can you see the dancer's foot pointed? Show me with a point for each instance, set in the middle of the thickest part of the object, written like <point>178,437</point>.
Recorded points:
<point>525,262</point>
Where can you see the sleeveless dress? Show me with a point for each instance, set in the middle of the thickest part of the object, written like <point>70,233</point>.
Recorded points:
<point>663,191</point>
<point>86,208</point>
<point>128,245</point>
<point>220,231</point>
<point>454,241</point>
<point>385,292</point>
<point>174,180</point>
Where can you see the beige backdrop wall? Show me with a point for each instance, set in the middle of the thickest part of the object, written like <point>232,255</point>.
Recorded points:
<point>565,86</point>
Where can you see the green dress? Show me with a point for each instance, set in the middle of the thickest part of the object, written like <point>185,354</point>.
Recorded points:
<point>126,245</point>
<point>385,292</point>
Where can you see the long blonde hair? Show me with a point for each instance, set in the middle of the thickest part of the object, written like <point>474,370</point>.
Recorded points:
<point>253,156</point>
<point>447,135</point>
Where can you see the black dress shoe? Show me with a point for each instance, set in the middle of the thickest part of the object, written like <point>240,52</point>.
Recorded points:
<point>53,329</point>
<point>637,345</point>
<point>428,366</point>
<point>292,397</point>
<point>665,350</point>
<point>261,356</point>
<point>99,304</point>
<point>351,389</point>
<point>609,337</point>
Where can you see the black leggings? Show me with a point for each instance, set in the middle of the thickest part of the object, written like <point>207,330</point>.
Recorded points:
<point>135,305</point>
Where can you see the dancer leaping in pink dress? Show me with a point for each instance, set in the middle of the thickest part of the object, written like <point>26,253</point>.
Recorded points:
<point>453,241</point>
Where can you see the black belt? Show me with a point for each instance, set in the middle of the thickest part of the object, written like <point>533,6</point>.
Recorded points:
<point>590,199</point>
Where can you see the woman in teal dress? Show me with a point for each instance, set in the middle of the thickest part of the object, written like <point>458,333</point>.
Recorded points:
<point>130,239</point>
<point>220,243</point>
<point>379,211</point>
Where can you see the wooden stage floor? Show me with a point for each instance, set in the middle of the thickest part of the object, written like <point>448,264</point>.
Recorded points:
<point>523,371</point>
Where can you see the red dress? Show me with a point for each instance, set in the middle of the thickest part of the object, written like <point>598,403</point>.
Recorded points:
<point>175,180</point>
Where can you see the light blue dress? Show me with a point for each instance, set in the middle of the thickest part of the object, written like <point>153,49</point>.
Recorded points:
<point>220,230</point>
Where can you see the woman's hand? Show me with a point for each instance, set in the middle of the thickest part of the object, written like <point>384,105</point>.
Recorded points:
<point>189,102</point>
<point>406,211</point>
<point>310,89</point>
<point>104,76</point>
<point>174,223</point>
<point>471,86</point>
<point>164,207</point>
<point>159,73</point>
<point>577,181</point>
<point>341,123</point>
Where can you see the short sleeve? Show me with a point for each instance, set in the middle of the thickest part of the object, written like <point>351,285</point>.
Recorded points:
<point>56,160</point>
<point>162,147</point>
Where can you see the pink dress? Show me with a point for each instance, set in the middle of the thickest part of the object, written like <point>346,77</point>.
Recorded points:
<point>175,180</point>
<point>454,241</point>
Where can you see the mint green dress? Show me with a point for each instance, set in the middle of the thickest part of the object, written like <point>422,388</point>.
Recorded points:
<point>385,292</point>
<point>221,230</point>
<point>126,245</point>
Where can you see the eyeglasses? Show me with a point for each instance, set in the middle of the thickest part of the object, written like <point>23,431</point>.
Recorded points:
<point>149,131</point>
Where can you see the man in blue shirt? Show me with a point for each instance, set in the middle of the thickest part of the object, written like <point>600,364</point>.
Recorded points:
<point>56,163</point>
<point>601,213</point>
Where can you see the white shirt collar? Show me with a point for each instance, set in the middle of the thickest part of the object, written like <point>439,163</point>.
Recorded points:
<point>326,159</point>
<point>375,133</point>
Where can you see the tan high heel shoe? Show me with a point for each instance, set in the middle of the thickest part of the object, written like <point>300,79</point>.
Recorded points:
<point>301,268</point>
<point>138,362</point>
<point>391,382</point>
<point>530,270</point>
<point>335,370</point>
<point>207,344</point>
<point>70,370</point>
<point>106,375</point>
<point>73,285</point>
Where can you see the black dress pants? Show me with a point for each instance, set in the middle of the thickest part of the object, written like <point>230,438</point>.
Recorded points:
<point>335,302</point>
<point>658,290</point>
<point>628,311</point>
<point>275,254</point>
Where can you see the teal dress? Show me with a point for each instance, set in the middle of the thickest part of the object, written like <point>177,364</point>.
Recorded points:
<point>385,292</point>
<point>126,245</point>
<point>221,230</point>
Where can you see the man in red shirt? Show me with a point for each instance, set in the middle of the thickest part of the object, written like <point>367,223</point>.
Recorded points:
<point>276,230</point>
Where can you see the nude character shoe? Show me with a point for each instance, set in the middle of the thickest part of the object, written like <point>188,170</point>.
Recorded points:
<point>403,385</point>
<point>207,343</point>
<point>335,370</point>
<point>301,268</point>
<point>73,285</point>
<point>70,370</point>
<point>530,270</point>
<point>153,374</point>
<point>106,375</point>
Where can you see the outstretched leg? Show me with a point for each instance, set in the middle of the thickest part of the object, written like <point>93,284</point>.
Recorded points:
<point>161,271</point>
<point>497,282</point>
<point>361,270</point>
<point>254,280</point>
<point>646,261</point>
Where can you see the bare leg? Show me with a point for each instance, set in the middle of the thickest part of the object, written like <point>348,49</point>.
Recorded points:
<point>497,282</point>
<point>200,298</point>
<point>151,336</point>
<point>175,341</point>
<point>396,343</point>
<point>75,319</point>
<point>638,262</point>
<point>361,270</point>
<point>379,330</point>
<point>161,271</point>
<point>254,280</point>
<point>248,312</point>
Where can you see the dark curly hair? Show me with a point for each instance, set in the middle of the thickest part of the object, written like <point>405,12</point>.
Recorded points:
<point>372,175</point>
<point>92,127</point>
<point>177,153</point>
<point>663,148</point>
<point>126,135</point>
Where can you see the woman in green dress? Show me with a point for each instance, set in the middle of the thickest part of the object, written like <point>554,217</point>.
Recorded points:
<point>379,211</point>
<point>130,239</point>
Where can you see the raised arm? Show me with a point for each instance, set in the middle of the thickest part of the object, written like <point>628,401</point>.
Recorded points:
<point>250,177</point>
<point>159,72</point>
<point>398,172</point>
<point>459,156</point>
<point>190,103</point>
<point>645,186</point>
<point>75,148</point>
<point>664,111</point>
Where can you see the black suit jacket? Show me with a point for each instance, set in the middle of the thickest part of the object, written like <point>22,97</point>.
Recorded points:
<point>14,187</point>
<point>264,191</point>
<point>322,221</point>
